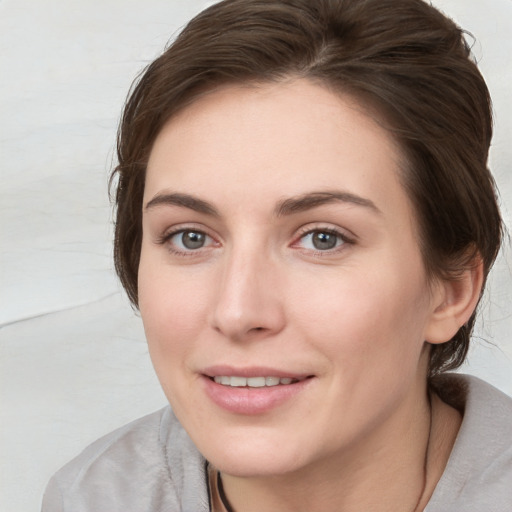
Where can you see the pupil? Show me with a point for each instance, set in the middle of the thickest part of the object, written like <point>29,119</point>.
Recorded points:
<point>324,241</point>
<point>193,240</point>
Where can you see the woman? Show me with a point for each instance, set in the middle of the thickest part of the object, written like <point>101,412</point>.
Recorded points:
<point>305,220</point>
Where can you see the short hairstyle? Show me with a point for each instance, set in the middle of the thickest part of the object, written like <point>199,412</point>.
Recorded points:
<point>401,57</point>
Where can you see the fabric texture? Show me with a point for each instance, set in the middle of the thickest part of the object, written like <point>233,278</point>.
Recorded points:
<point>478,476</point>
<point>151,465</point>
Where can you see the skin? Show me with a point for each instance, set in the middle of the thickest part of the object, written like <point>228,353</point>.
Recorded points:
<point>259,293</point>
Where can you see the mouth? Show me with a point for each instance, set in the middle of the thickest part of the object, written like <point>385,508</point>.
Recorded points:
<point>235,381</point>
<point>257,392</point>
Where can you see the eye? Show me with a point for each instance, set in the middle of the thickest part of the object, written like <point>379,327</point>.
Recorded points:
<point>322,240</point>
<point>187,240</point>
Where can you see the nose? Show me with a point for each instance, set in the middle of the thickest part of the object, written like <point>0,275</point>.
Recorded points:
<point>249,301</point>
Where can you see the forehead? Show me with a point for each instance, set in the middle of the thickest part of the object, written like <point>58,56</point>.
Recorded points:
<point>244,144</point>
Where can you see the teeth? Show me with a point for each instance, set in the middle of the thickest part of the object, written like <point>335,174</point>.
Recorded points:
<point>256,382</point>
<point>238,382</point>
<point>271,381</point>
<point>252,382</point>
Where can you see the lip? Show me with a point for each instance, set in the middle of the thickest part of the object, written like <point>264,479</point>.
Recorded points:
<point>252,401</point>
<point>253,371</point>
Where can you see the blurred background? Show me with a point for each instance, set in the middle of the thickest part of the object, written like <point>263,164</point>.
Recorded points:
<point>73,359</point>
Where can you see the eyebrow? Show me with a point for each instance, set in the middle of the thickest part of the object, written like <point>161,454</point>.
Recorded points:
<point>184,200</point>
<point>288,206</point>
<point>314,199</point>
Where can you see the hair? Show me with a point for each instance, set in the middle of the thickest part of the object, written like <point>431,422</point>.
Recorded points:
<point>402,57</point>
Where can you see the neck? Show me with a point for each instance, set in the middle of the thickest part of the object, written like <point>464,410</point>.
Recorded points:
<point>446,423</point>
<point>396,469</point>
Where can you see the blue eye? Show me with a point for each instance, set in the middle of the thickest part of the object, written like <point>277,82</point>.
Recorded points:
<point>322,240</point>
<point>189,240</point>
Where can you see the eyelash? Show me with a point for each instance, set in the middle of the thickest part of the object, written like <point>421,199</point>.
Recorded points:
<point>341,236</point>
<point>166,238</point>
<point>304,232</point>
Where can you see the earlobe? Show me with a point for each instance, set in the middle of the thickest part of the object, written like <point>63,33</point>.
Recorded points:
<point>455,301</point>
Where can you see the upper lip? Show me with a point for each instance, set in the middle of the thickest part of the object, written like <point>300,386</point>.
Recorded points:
<point>251,371</point>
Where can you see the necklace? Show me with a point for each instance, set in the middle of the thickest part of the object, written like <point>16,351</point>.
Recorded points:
<point>222,495</point>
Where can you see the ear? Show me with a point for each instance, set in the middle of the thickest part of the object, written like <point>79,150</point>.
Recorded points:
<point>454,302</point>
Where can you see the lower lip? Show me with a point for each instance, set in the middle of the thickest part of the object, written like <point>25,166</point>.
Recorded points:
<point>251,401</point>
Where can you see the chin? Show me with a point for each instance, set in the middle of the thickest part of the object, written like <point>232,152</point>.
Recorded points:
<point>260,465</point>
<point>255,456</point>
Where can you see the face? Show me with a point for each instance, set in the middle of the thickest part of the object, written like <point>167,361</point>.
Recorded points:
<point>281,284</point>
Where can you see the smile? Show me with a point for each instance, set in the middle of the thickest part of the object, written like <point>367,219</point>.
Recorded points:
<point>253,382</point>
<point>254,394</point>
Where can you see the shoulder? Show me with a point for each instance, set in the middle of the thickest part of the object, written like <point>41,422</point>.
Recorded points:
<point>140,466</point>
<point>478,475</point>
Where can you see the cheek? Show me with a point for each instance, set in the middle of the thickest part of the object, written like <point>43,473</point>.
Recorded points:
<point>172,307</point>
<point>365,316</point>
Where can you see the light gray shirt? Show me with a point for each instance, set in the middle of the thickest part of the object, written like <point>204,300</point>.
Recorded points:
<point>151,465</point>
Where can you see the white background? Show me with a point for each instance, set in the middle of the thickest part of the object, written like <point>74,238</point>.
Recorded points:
<point>73,360</point>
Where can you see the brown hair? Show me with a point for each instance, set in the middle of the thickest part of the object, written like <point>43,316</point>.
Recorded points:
<point>402,56</point>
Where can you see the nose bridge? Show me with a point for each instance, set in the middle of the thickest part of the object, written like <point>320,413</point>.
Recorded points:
<point>247,299</point>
